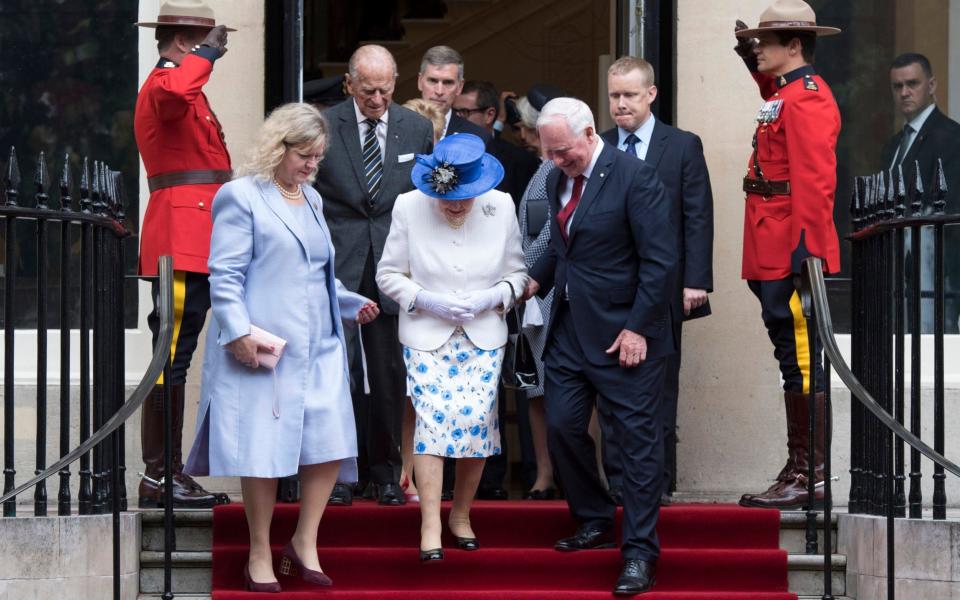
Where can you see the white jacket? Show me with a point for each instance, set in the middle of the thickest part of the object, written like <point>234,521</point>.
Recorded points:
<point>424,252</point>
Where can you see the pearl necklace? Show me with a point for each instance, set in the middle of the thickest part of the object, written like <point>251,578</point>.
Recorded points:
<point>455,222</point>
<point>295,195</point>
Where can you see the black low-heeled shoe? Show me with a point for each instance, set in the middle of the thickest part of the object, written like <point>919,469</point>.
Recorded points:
<point>432,555</point>
<point>468,544</point>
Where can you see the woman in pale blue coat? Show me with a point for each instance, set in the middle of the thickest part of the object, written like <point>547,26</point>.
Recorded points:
<point>271,266</point>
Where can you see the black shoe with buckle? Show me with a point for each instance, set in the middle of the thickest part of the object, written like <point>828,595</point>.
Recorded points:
<point>390,494</point>
<point>637,577</point>
<point>587,538</point>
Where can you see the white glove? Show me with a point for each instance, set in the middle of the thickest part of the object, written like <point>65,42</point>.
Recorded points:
<point>481,301</point>
<point>445,306</point>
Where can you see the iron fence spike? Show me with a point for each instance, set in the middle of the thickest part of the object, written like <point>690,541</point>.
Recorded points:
<point>42,181</point>
<point>12,179</point>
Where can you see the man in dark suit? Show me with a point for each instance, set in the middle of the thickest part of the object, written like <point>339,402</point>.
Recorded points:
<point>371,149</point>
<point>927,135</point>
<point>677,156</point>
<point>478,103</point>
<point>440,81</point>
<point>612,261</point>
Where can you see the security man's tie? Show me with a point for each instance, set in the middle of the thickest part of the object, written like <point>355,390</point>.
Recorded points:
<point>904,144</point>
<point>631,142</point>
<point>372,161</point>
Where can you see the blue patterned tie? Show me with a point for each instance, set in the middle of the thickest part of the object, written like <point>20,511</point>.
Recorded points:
<point>631,142</point>
<point>372,161</point>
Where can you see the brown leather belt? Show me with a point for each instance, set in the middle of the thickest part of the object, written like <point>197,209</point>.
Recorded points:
<point>766,187</point>
<point>175,178</point>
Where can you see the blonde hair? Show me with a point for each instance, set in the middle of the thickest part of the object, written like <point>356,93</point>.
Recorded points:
<point>293,125</point>
<point>626,64</point>
<point>431,112</point>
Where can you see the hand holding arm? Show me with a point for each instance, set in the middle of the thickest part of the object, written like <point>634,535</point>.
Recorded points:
<point>445,306</point>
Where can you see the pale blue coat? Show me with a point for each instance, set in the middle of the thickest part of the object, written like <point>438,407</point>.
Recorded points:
<point>259,264</point>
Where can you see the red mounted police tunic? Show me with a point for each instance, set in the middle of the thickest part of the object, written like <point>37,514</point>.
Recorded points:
<point>179,137</point>
<point>791,178</point>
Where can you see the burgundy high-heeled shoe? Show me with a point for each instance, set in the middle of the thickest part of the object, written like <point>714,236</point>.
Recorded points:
<point>290,563</point>
<point>272,587</point>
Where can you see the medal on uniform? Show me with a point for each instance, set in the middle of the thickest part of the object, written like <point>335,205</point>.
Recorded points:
<point>769,111</point>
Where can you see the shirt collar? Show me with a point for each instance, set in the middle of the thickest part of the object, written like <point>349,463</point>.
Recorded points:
<point>644,132</point>
<point>165,63</point>
<point>361,118</point>
<point>593,160</point>
<point>917,122</point>
<point>788,78</point>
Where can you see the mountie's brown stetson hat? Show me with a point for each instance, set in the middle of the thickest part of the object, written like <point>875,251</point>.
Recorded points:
<point>788,15</point>
<point>183,13</point>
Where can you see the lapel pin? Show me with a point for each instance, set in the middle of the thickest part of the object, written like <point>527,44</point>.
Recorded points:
<point>489,210</point>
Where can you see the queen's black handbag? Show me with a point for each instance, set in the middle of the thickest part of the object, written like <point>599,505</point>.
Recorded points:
<point>519,370</point>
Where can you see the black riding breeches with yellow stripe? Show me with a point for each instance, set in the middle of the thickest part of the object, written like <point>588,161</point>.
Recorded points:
<point>783,318</point>
<point>191,300</point>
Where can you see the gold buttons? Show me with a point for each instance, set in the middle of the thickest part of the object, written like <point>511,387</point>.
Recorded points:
<point>200,204</point>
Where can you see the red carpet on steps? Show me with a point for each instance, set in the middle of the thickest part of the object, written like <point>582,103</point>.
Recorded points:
<point>708,552</point>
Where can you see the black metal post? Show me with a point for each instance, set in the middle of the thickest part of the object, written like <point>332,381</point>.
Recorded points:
<point>85,494</point>
<point>827,488</point>
<point>900,499</point>
<point>12,183</point>
<point>915,498</point>
<point>42,180</point>
<point>63,494</point>
<point>169,539</point>
<point>811,533</point>
<point>939,478</point>
<point>120,339</point>
<point>855,502</point>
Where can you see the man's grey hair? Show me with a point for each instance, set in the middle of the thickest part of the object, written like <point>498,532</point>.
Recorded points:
<point>575,113</point>
<point>373,55</point>
<point>439,56</point>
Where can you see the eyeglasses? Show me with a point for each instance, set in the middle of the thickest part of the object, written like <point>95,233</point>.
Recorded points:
<point>466,112</point>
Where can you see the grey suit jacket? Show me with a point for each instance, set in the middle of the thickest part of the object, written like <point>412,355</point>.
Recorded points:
<point>359,227</point>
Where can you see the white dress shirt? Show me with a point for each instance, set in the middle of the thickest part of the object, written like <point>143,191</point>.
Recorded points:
<point>381,127</point>
<point>644,133</point>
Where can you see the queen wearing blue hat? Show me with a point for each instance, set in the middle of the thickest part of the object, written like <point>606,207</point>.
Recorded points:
<point>453,262</point>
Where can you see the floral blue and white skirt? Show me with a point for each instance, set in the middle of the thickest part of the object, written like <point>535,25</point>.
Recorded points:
<point>454,393</point>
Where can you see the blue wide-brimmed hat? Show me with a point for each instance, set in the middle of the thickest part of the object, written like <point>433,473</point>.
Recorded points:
<point>458,169</point>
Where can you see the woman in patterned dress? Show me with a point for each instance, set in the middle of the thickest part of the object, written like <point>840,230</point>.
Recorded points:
<point>454,264</point>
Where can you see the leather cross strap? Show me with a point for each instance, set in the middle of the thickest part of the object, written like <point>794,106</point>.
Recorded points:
<point>766,187</point>
<point>175,178</point>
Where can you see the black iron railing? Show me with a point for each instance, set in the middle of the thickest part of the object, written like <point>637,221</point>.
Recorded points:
<point>97,224</point>
<point>886,288</point>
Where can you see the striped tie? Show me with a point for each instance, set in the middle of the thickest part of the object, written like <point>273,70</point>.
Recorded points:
<point>372,161</point>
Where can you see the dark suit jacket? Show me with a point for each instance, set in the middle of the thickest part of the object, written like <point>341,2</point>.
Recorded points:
<point>677,155</point>
<point>357,226</point>
<point>460,125</point>
<point>938,138</point>
<point>619,267</point>
<point>518,167</point>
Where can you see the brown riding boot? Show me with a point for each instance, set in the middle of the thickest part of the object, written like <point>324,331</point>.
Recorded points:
<point>790,490</point>
<point>151,439</point>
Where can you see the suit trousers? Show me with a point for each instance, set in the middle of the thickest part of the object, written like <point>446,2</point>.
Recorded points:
<point>378,414</point>
<point>632,399</point>
<point>669,396</point>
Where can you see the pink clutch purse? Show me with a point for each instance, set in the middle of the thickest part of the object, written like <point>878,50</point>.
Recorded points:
<point>265,357</point>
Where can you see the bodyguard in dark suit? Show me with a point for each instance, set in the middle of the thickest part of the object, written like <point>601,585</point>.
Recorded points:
<point>927,135</point>
<point>612,261</point>
<point>677,156</point>
<point>440,81</point>
<point>368,162</point>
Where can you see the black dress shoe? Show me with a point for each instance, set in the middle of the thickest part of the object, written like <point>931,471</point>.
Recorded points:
<point>547,494</point>
<point>666,499</point>
<point>342,495</point>
<point>468,544</point>
<point>637,577</point>
<point>390,494</point>
<point>492,493</point>
<point>431,555</point>
<point>587,538</point>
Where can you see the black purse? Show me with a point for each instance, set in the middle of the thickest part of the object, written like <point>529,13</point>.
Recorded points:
<point>519,370</point>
